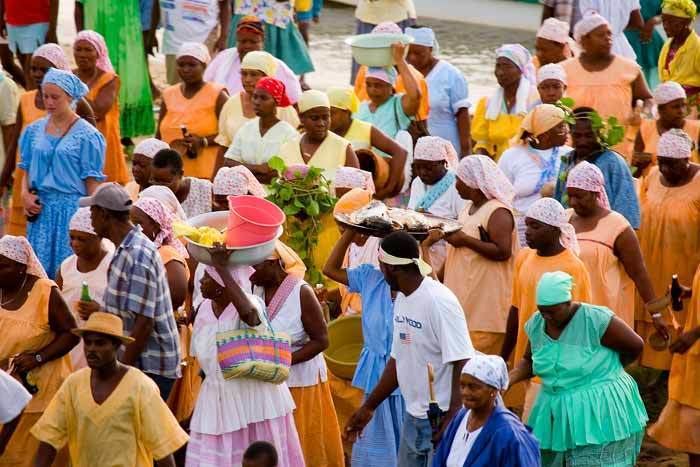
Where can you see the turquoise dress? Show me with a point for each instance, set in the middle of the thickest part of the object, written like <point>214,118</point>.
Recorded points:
<point>589,411</point>
<point>648,53</point>
<point>388,117</point>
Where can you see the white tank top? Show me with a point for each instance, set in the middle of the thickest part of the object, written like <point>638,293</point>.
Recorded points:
<point>288,320</point>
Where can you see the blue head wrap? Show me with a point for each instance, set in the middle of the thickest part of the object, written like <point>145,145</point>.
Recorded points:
<point>554,288</point>
<point>67,81</point>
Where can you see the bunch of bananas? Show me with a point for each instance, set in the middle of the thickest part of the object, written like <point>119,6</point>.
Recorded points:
<point>205,235</point>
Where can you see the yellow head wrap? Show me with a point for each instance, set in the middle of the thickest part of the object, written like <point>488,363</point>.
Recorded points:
<point>680,8</point>
<point>541,119</point>
<point>292,263</point>
<point>343,97</point>
<point>312,99</point>
<point>261,61</point>
<point>352,201</point>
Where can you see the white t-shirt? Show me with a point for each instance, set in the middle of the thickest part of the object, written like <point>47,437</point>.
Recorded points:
<point>187,21</point>
<point>462,444</point>
<point>449,204</point>
<point>429,327</point>
<point>13,398</point>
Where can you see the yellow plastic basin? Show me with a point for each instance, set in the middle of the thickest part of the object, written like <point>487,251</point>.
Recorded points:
<point>344,346</point>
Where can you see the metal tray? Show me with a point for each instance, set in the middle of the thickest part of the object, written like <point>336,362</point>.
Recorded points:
<point>446,225</point>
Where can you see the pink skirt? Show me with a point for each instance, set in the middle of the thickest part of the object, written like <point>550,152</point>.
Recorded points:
<point>227,449</point>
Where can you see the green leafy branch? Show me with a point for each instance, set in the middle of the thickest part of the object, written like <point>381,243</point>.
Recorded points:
<point>304,198</point>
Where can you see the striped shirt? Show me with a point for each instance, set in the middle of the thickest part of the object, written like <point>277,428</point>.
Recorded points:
<point>137,285</point>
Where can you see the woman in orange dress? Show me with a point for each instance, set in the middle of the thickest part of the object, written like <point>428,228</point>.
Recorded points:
<point>189,114</point>
<point>36,325</point>
<point>600,79</point>
<point>672,102</point>
<point>609,246</point>
<point>678,426</point>
<point>95,70</point>
<point>31,108</point>
<point>669,236</point>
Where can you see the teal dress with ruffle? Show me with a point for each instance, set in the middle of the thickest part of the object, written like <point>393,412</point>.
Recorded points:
<point>589,409</point>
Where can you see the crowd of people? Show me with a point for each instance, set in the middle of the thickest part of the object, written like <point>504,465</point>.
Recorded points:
<point>512,341</point>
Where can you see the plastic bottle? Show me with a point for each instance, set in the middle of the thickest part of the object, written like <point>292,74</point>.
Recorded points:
<point>85,293</point>
<point>190,152</point>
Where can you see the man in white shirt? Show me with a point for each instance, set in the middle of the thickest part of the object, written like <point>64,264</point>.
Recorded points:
<point>429,328</point>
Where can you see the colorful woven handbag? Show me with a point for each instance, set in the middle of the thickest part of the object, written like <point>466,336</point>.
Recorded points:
<point>262,355</point>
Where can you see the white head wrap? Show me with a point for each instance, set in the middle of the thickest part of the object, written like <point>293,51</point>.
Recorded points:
<point>521,57</point>
<point>82,221</point>
<point>166,196</point>
<point>149,147</point>
<point>424,37</point>
<point>489,369</point>
<point>551,71</point>
<point>434,148</point>
<point>195,50</point>
<point>669,91</point>
<point>237,181</point>
<point>482,173</point>
<point>18,249</point>
<point>549,211</point>
<point>591,20</point>
<point>387,258</point>
<point>350,177</point>
<point>554,30</point>
<point>675,144</point>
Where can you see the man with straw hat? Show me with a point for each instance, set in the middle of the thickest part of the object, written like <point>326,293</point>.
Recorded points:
<point>109,413</point>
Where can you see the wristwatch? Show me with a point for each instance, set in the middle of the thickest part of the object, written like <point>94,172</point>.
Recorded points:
<point>38,358</point>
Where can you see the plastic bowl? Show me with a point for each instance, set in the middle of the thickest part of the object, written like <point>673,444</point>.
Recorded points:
<point>249,255</point>
<point>375,49</point>
<point>345,343</point>
<point>252,221</point>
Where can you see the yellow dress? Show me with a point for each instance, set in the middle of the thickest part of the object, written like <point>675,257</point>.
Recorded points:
<point>678,426</point>
<point>359,134</point>
<point>27,330</point>
<point>231,119</point>
<point>684,68</point>
<point>493,135</point>
<point>467,274</point>
<point>133,426</point>
<point>670,241</point>
<point>611,287</point>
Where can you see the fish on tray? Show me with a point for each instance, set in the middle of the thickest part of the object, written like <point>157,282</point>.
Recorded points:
<point>377,216</point>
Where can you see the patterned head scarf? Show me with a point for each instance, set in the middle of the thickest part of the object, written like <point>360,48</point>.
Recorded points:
<point>669,91</point>
<point>554,288</point>
<point>67,81</point>
<point>551,71</point>
<point>19,250</point>
<point>434,148</point>
<point>237,181</point>
<point>194,50</point>
<point>591,20</point>
<point>166,196</point>
<point>54,54</point>
<point>149,147</point>
<point>260,61</point>
<point>343,97</point>
<point>311,99</point>
<point>680,8</point>
<point>387,27</point>
<point>554,30</point>
<point>350,177</point>
<point>482,173</point>
<point>588,177</point>
<point>96,40</point>
<point>276,89</point>
<point>388,74</point>
<point>164,218</point>
<point>489,369</point>
<point>675,144</point>
<point>541,119</point>
<point>82,221</point>
<point>549,211</point>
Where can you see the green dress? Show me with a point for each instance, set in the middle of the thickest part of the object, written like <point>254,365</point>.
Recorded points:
<point>120,24</point>
<point>589,409</point>
<point>648,53</point>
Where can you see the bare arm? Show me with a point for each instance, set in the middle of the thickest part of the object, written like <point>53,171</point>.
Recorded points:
<point>91,185</point>
<point>627,249</point>
<point>11,145</point>
<point>53,21</point>
<point>455,399</point>
<point>177,282</point>
<point>547,12</point>
<point>523,369</point>
<point>167,461</point>
<point>640,90</point>
<point>511,333</point>
<point>105,99</point>
<point>411,100</point>
<point>351,158</point>
<point>46,453</point>
<point>143,327</point>
<point>636,21</point>
<point>79,17</point>
<point>622,339</point>
<point>464,124</point>
<point>334,265</point>
<point>246,309</point>
<point>500,231</point>
<point>314,326</point>
<point>8,429</point>
<point>381,141</point>
<point>161,116</point>
<point>225,22</point>
<point>84,110</point>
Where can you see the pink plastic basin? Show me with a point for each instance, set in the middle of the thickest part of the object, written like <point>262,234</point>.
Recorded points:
<point>252,221</point>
